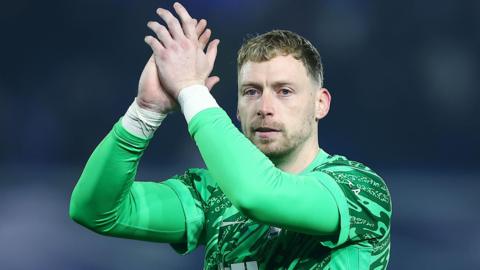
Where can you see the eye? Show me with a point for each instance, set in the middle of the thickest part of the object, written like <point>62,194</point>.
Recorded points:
<point>250,92</point>
<point>285,91</point>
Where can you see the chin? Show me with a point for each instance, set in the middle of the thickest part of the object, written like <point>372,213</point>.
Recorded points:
<point>272,150</point>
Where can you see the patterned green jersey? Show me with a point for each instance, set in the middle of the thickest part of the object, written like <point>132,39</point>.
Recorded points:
<point>247,213</point>
<point>233,241</point>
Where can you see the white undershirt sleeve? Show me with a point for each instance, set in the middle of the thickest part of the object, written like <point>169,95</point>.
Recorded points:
<point>141,122</point>
<point>194,99</point>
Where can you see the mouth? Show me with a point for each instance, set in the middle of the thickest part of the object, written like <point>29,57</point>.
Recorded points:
<point>265,132</point>
<point>265,129</point>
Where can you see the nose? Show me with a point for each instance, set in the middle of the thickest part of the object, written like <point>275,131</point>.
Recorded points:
<point>265,104</point>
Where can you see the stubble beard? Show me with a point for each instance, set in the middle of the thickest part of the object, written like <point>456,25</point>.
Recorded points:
<point>274,148</point>
<point>284,144</point>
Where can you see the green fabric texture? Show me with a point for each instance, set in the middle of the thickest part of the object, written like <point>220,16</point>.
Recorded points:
<point>335,214</point>
<point>108,201</point>
<point>257,213</point>
<point>259,187</point>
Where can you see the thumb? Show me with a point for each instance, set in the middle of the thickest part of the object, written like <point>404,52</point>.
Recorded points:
<point>212,51</point>
<point>211,81</point>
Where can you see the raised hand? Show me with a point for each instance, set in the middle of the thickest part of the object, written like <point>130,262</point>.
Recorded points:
<point>179,51</point>
<point>151,93</point>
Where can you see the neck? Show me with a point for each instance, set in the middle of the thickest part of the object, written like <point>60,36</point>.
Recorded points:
<point>298,159</point>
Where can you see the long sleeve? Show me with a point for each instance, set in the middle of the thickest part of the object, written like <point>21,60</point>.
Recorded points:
<point>107,200</point>
<point>255,186</point>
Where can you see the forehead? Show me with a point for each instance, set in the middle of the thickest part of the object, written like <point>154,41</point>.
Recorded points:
<point>278,68</point>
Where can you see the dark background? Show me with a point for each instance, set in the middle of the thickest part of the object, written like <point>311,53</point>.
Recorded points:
<point>404,78</point>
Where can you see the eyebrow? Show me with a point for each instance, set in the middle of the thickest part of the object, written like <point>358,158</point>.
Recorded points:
<point>257,85</point>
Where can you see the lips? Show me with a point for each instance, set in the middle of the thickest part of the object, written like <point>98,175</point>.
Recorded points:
<point>266,133</point>
<point>265,129</point>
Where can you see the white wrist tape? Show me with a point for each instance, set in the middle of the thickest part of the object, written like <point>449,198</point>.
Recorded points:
<point>194,99</point>
<point>141,122</point>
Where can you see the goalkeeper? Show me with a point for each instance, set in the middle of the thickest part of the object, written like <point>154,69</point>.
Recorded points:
<point>269,198</point>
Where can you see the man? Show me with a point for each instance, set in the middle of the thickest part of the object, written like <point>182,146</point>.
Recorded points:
<point>270,198</point>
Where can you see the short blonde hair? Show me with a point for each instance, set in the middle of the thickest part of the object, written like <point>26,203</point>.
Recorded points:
<point>282,42</point>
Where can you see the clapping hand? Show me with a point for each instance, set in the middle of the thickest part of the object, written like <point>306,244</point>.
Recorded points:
<point>152,91</point>
<point>178,51</point>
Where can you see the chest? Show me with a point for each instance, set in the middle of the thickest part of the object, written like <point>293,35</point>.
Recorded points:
<point>233,237</point>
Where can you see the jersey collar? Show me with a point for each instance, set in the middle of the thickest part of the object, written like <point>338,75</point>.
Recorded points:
<point>321,157</point>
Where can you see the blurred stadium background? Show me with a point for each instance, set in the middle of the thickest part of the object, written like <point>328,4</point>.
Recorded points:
<point>404,77</point>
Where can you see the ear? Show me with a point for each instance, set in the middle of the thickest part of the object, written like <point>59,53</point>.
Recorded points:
<point>322,104</point>
<point>238,116</point>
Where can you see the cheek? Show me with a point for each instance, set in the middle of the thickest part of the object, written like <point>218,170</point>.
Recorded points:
<point>302,119</point>
<point>243,118</point>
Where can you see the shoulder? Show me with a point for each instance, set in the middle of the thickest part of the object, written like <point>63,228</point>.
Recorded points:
<point>198,177</point>
<point>342,163</point>
<point>356,178</point>
<point>196,182</point>
<point>340,167</point>
<point>196,173</point>
<point>363,198</point>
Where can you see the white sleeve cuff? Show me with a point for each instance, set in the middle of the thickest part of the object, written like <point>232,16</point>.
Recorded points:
<point>141,122</point>
<point>194,99</point>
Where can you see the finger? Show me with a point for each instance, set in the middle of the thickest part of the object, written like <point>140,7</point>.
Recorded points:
<point>203,39</point>
<point>173,24</point>
<point>188,23</point>
<point>211,81</point>
<point>162,33</point>
<point>212,51</point>
<point>202,24</point>
<point>156,46</point>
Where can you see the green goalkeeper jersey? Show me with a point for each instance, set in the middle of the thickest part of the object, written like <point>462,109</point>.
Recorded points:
<point>245,211</point>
